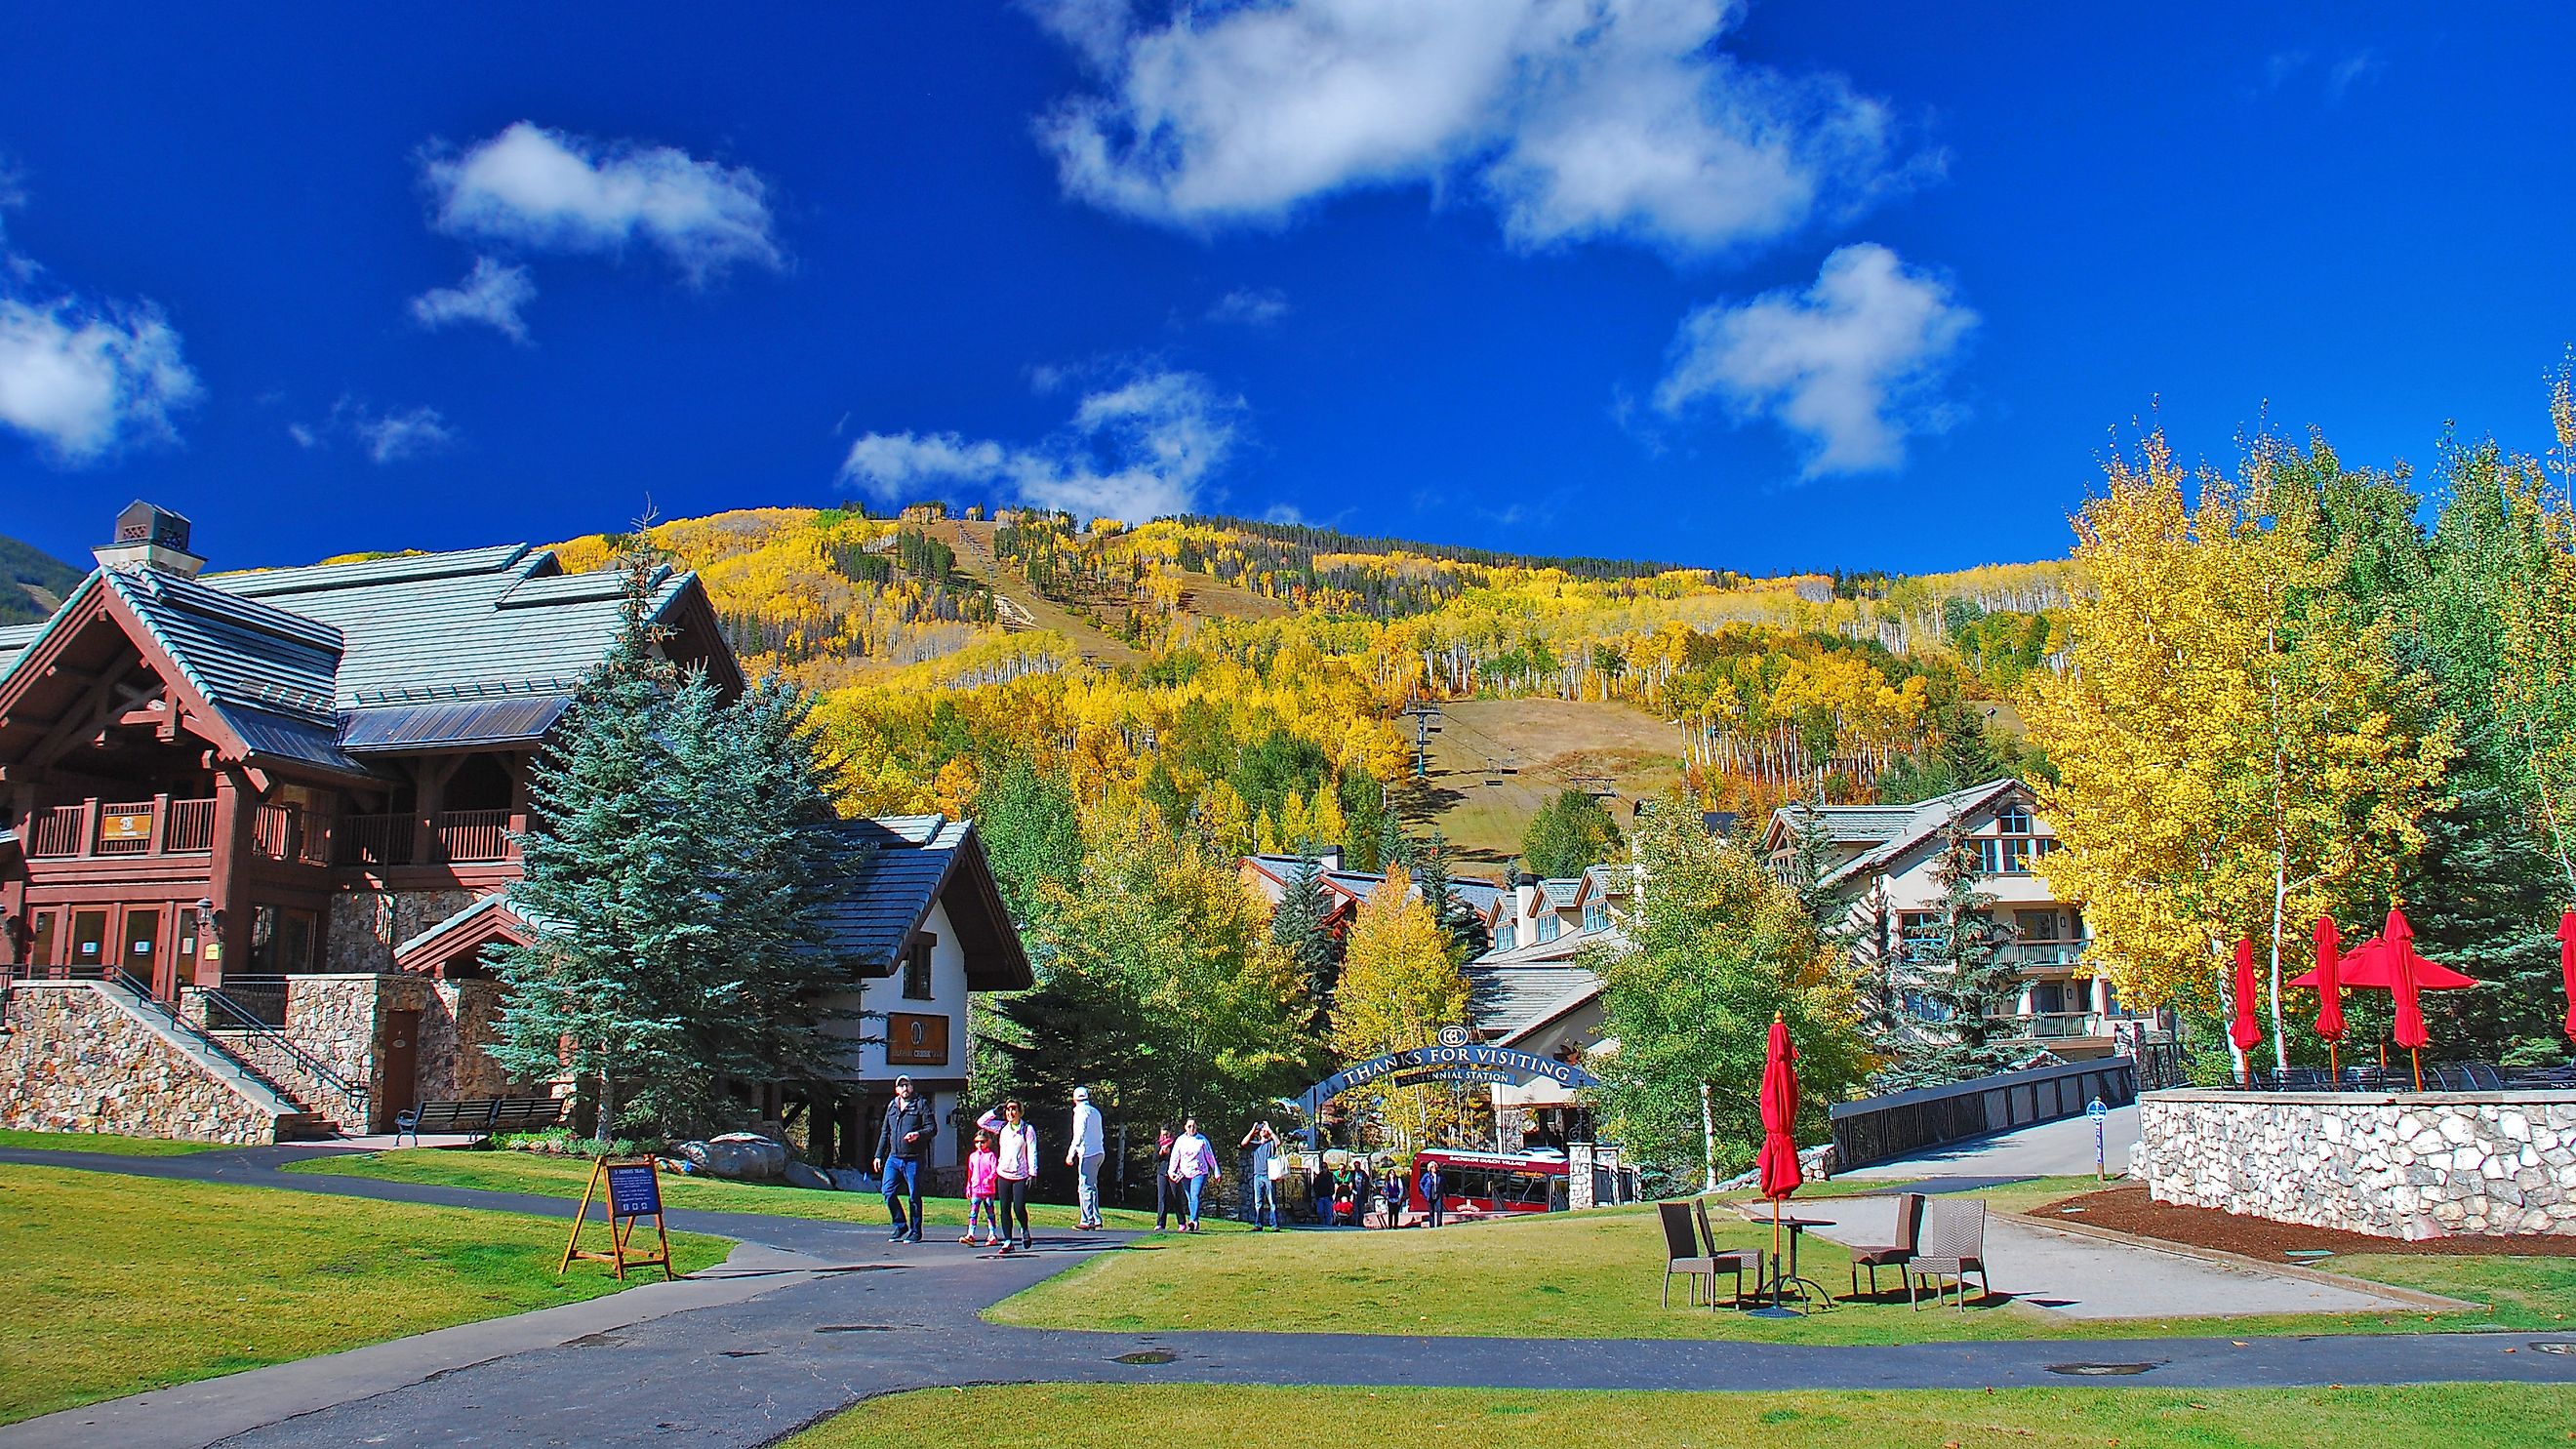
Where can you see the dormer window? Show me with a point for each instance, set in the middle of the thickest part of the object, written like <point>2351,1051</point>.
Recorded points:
<point>2013,846</point>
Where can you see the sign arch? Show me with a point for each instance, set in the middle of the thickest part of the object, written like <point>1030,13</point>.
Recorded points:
<point>1454,1058</point>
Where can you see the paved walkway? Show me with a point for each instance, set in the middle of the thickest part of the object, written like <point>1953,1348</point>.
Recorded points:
<point>851,1317</point>
<point>2050,1149</point>
<point>2076,1276</point>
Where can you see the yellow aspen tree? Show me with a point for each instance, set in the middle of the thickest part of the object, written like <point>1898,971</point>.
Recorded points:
<point>1296,828</point>
<point>2226,743</point>
<point>1325,820</point>
<point>1400,984</point>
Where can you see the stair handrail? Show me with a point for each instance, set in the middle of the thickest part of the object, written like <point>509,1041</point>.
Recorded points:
<point>118,977</point>
<point>241,1020</point>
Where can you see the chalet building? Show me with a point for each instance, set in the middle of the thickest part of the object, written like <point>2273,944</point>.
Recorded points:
<point>257,832</point>
<point>1345,891</point>
<point>1883,866</point>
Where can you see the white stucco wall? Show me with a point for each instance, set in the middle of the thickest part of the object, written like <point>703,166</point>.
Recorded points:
<point>866,1059</point>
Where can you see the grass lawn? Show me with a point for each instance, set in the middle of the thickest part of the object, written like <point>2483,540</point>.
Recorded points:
<point>505,1171</point>
<point>1596,1275</point>
<point>1071,1416</point>
<point>104,1142</point>
<point>119,1284</point>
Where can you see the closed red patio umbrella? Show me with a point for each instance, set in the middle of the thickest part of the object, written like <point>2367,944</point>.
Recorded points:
<point>2330,993</point>
<point>1779,1160</point>
<point>2567,966</point>
<point>2402,967</point>
<point>2245,1031</point>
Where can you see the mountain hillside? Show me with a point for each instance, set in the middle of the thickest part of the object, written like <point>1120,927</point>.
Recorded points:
<point>1251,680</point>
<point>32,582</point>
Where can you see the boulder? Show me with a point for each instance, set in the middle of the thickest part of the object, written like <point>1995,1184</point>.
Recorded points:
<point>799,1174</point>
<point>742,1156</point>
<point>850,1179</point>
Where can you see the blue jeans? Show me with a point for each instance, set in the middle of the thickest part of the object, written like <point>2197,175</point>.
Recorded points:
<point>902,1177</point>
<point>1191,1186</point>
<point>1264,1197</point>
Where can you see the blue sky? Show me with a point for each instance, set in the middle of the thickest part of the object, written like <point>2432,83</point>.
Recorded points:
<point>1770,287</point>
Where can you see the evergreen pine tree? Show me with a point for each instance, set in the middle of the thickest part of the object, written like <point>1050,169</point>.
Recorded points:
<point>1300,928</point>
<point>1812,858</point>
<point>1961,978</point>
<point>610,884</point>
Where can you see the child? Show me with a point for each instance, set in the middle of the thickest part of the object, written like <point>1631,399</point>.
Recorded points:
<point>983,1190</point>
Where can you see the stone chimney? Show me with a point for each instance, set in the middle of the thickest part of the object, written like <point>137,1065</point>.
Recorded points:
<point>149,538</point>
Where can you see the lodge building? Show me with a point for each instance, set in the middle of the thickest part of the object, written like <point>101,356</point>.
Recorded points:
<point>257,832</point>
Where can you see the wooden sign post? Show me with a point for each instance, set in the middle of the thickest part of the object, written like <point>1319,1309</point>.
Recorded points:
<point>632,1190</point>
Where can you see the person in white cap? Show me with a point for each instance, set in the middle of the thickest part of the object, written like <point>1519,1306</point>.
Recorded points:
<point>1090,1144</point>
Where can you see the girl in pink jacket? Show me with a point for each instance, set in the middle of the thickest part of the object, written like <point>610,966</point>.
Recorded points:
<point>983,1189</point>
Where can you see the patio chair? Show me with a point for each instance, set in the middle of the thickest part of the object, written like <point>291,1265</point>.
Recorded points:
<point>1952,1245</point>
<point>2483,1076</point>
<point>1874,1256</point>
<point>1725,1260</point>
<point>1682,1252</point>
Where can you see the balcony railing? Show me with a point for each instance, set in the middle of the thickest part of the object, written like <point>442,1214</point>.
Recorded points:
<point>286,832</point>
<point>474,835</point>
<point>456,837</point>
<point>375,840</point>
<point>120,829</point>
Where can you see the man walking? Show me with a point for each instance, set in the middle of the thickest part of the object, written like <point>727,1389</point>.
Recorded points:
<point>1260,1183</point>
<point>902,1147</point>
<point>1090,1145</point>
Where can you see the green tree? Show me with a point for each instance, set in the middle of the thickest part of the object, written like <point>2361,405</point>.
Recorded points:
<point>1299,927</point>
<point>1400,985</point>
<point>679,855</point>
<point>1718,945</point>
<point>1953,982</point>
<point>1570,833</point>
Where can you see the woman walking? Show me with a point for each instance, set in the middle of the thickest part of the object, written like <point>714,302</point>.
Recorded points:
<point>1166,1190</point>
<point>1193,1168</point>
<point>1016,1148</point>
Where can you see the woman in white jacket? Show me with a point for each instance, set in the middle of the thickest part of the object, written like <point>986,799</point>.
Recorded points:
<point>1016,1143</point>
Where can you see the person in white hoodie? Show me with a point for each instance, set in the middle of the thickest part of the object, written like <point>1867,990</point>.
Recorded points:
<point>1090,1145</point>
<point>1193,1168</point>
<point>1016,1142</point>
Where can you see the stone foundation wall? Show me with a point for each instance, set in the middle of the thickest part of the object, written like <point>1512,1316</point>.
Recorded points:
<point>75,1062</point>
<point>367,925</point>
<point>2400,1166</point>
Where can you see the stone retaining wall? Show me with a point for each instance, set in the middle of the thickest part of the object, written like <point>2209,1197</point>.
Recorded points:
<point>75,1062</point>
<point>2414,1165</point>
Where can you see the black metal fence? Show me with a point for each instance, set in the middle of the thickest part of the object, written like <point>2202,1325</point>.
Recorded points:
<point>1877,1128</point>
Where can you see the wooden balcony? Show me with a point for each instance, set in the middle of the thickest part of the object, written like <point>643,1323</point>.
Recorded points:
<point>98,829</point>
<point>456,837</point>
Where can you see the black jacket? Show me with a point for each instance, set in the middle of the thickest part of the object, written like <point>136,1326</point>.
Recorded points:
<point>901,1118</point>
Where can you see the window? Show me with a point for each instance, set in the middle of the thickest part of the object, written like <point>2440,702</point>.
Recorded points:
<point>1596,914</point>
<point>2013,847</point>
<point>916,969</point>
<point>2013,820</point>
<point>1507,936</point>
<point>1547,927</point>
<point>1918,934</point>
<point>281,941</point>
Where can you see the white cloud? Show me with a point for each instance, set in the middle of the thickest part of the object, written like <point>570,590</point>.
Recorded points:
<point>1250,306</point>
<point>84,382</point>
<point>1141,448</point>
<point>553,191</point>
<point>491,294</point>
<point>393,437</point>
<point>1848,362</point>
<point>2337,75</point>
<point>1576,118</point>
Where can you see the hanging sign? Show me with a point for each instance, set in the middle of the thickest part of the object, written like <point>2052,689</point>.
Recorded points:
<point>628,1192</point>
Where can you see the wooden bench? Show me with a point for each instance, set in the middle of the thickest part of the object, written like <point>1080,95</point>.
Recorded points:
<point>480,1117</point>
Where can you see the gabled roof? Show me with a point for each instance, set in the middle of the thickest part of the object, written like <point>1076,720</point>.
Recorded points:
<point>489,920</point>
<point>476,623</point>
<point>1353,886</point>
<point>328,664</point>
<point>1920,823</point>
<point>1565,946</point>
<point>1505,1000</point>
<point>914,862</point>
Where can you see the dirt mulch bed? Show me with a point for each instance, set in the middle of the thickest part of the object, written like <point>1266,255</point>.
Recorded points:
<point>2128,1209</point>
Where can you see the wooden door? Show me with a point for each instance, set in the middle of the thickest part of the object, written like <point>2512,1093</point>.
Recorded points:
<point>142,957</point>
<point>402,1067</point>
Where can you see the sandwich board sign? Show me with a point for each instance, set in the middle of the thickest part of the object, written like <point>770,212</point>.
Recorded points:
<point>629,1192</point>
